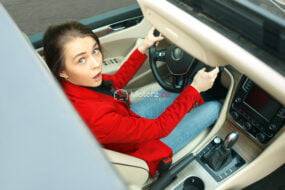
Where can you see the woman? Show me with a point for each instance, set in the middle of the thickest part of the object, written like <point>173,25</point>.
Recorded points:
<point>73,54</point>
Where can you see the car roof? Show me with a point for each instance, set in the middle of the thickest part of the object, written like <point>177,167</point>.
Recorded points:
<point>44,143</point>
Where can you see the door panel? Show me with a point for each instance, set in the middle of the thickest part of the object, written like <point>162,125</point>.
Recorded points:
<point>117,45</point>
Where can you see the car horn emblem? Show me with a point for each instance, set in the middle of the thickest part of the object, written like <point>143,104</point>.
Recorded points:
<point>177,54</point>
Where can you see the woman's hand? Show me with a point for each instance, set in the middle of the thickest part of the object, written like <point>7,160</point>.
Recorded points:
<point>203,80</point>
<point>149,40</point>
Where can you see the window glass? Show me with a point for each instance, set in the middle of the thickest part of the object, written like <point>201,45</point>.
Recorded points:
<point>34,16</point>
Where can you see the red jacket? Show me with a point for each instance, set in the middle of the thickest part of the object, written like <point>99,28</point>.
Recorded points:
<point>117,128</point>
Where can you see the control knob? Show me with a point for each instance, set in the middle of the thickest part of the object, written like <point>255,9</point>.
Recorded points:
<point>230,140</point>
<point>248,126</point>
<point>235,115</point>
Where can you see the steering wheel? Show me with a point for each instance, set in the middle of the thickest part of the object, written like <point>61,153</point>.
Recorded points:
<point>181,66</point>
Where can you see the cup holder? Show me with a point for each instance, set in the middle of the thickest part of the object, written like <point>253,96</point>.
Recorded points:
<point>193,183</point>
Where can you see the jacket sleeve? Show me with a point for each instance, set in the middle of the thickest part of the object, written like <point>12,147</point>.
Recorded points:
<point>126,72</point>
<point>110,126</point>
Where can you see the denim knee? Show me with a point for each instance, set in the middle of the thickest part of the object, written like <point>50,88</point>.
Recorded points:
<point>206,113</point>
<point>213,108</point>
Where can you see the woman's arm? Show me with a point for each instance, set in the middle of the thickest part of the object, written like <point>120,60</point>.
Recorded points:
<point>126,72</point>
<point>121,78</point>
<point>112,127</point>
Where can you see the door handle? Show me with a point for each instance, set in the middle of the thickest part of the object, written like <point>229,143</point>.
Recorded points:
<point>117,26</point>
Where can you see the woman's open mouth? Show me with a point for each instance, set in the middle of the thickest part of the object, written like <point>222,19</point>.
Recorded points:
<point>98,76</point>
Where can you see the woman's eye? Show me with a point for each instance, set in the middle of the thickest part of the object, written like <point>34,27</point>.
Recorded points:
<point>96,51</point>
<point>82,61</point>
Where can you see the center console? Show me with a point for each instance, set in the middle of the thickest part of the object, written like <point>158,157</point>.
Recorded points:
<point>256,112</point>
<point>215,162</point>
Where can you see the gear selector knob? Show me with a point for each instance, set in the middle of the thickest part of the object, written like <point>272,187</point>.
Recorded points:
<point>231,139</point>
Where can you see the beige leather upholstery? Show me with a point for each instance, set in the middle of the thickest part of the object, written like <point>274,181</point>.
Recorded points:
<point>134,171</point>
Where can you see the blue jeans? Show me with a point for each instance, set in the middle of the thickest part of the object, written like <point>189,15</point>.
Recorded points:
<point>189,127</point>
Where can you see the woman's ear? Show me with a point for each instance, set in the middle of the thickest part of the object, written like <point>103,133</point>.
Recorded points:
<point>63,74</point>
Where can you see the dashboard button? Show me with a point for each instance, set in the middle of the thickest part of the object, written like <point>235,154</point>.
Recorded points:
<point>238,100</point>
<point>270,135</point>
<point>273,127</point>
<point>281,113</point>
<point>254,123</point>
<point>261,137</point>
<point>248,126</point>
<point>217,140</point>
<point>235,115</point>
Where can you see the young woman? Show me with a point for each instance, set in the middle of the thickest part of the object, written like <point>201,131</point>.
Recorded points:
<point>151,129</point>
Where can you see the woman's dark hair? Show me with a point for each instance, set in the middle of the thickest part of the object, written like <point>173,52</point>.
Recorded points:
<point>56,37</point>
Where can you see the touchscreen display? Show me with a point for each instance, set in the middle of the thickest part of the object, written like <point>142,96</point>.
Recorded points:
<point>262,103</point>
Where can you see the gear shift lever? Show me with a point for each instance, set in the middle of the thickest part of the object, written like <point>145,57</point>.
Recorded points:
<point>230,140</point>
<point>221,154</point>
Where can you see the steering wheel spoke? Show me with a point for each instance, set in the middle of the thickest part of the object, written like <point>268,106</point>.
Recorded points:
<point>177,81</point>
<point>180,66</point>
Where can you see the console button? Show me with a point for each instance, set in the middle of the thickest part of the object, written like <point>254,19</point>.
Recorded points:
<point>254,131</point>
<point>238,100</point>
<point>270,135</point>
<point>217,140</point>
<point>281,113</point>
<point>246,116</point>
<point>248,126</point>
<point>261,137</point>
<point>254,123</point>
<point>273,127</point>
<point>261,128</point>
<point>235,115</point>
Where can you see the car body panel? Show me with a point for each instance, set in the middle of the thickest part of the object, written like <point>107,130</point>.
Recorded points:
<point>44,143</point>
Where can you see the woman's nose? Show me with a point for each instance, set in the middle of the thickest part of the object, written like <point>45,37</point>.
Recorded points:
<point>95,62</point>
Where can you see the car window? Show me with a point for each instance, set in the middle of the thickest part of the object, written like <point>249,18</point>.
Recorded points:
<point>35,16</point>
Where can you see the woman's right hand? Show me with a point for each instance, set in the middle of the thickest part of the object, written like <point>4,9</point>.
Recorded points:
<point>149,40</point>
<point>203,80</point>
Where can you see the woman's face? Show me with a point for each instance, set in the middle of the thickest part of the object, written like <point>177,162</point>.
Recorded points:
<point>83,62</point>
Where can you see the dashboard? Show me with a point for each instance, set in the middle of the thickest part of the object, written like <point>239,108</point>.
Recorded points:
<point>255,102</point>
<point>256,112</point>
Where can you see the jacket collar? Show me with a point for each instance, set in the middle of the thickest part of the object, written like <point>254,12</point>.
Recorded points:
<point>81,92</point>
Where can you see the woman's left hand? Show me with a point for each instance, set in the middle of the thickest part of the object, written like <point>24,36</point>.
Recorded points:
<point>149,40</point>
